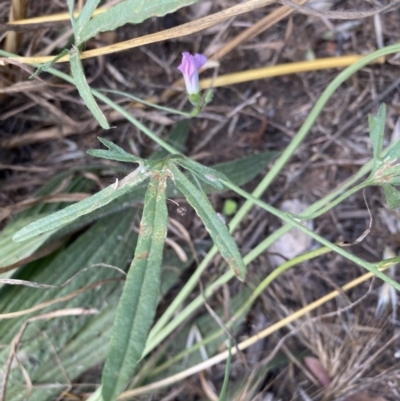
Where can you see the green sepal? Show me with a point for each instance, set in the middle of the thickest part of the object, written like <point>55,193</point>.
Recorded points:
<point>208,97</point>
<point>195,99</point>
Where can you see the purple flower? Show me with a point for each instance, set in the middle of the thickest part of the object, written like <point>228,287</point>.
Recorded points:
<point>190,69</point>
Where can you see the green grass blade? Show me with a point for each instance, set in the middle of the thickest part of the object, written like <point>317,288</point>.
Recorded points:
<point>137,307</point>
<point>376,126</point>
<point>129,11</point>
<point>218,230</point>
<point>84,89</point>
<point>114,152</point>
<point>70,213</point>
<point>224,389</point>
<point>154,105</point>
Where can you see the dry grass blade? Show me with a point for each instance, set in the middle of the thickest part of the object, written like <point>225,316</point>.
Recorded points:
<point>256,29</point>
<point>282,69</point>
<point>23,205</point>
<point>347,354</point>
<point>338,14</point>
<point>366,231</point>
<point>247,343</point>
<point>177,32</point>
<point>55,301</point>
<point>51,18</point>
<point>49,286</point>
<point>43,135</point>
<point>17,339</point>
<point>17,11</point>
<point>47,250</point>
<point>259,27</point>
<point>25,283</point>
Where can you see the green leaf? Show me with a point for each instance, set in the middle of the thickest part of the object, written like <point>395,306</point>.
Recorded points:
<point>11,252</point>
<point>84,17</point>
<point>206,174</point>
<point>395,181</point>
<point>114,153</point>
<point>392,196</point>
<point>129,11</point>
<point>376,126</point>
<point>218,230</point>
<point>138,302</point>
<point>70,4</point>
<point>70,213</point>
<point>84,89</point>
<point>110,242</point>
<point>394,152</point>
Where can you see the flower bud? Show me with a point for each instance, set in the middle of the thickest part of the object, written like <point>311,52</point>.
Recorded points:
<point>189,67</point>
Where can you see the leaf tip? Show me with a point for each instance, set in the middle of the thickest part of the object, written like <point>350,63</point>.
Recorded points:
<point>18,236</point>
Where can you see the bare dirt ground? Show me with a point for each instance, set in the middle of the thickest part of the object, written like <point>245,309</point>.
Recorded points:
<point>45,129</point>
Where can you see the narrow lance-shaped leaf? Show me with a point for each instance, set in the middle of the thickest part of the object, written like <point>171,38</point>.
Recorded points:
<point>114,152</point>
<point>84,17</point>
<point>85,206</point>
<point>10,252</point>
<point>376,126</point>
<point>215,226</point>
<point>206,174</point>
<point>84,89</point>
<point>70,4</point>
<point>137,307</point>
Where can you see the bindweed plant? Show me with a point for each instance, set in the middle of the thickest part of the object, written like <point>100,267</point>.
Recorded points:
<point>134,333</point>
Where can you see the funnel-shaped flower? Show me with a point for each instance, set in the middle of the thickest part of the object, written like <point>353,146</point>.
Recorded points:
<point>190,69</point>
